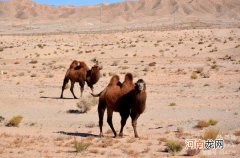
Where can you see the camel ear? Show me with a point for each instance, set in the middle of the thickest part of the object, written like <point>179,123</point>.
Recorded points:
<point>100,67</point>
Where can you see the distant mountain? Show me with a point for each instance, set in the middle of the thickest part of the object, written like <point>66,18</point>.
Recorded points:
<point>126,13</point>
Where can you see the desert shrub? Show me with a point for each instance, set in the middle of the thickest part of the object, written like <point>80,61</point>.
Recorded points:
<point>210,134</point>
<point>173,147</point>
<point>86,103</point>
<point>212,122</point>
<point>194,75</point>
<point>14,121</point>
<point>1,119</point>
<point>202,124</point>
<point>80,146</point>
<point>152,64</point>
<point>124,67</point>
<point>40,46</point>
<point>33,62</point>
<point>33,75</point>
<point>192,152</point>
<point>172,104</point>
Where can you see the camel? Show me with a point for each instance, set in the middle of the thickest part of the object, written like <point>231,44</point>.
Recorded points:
<point>79,72</point>
<point>126,98</point>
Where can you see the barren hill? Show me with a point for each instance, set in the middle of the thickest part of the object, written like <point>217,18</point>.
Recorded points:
<point>29,15</point>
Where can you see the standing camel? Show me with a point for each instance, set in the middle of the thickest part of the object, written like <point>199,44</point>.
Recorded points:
<point>79,72</point>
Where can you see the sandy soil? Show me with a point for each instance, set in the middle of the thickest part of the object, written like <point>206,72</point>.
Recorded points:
<point>32,90</point>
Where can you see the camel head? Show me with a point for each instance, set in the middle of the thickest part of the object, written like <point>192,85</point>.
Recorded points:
<point>140,85</point>
<point>93,75</point>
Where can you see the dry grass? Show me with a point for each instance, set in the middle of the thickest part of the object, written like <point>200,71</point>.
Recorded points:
<point>33,75</point>
<point>106,143</point>
<point>80,146</point>
<point>210,134</point>
<point>192,152</point>
<point>172,104</point>
<point>15,121</point>
<point>212,122</point>
<point>173,147</point>
<point>194,75</point>
<point>33,62</point>
<point>202,124</point>
<point>85,103</point>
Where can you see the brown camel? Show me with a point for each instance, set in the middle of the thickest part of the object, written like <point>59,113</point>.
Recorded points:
<point>113,97</point>
<point>79,72</point>
<point>137,101</point>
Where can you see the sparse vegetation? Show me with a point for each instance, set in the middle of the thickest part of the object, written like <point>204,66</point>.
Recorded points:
<point>15,121</point>
<point>173,147</point>
<point>194,75</point>
<point>86,103</point>
<point>33,75</point>
<point>80,146</point>
<point>210,134</point>
<point>172,104</point>
<point>203,124</point>
<point>192,152</point>
<point>152,64</point>
<point>33,62</point>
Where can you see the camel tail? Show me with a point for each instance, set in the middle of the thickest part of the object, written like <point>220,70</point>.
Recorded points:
<point>96,95</point>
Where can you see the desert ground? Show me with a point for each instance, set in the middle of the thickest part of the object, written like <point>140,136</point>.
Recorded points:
<point>192,75</point>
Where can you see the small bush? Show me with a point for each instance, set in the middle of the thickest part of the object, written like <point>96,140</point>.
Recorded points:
<point>15,121</point>
<point>85,104</point>
<point>194,75</point>
<point>1,119</point>
<point>34,75</point>
<point>1,49</point>
<point>212,122</point>
<point>210,134</point>
<point>152,64</point>
<point>202,124</point>
<point>80,146</point>
<point>40,46</point>
<point>173,147</point>
<point>192,152</point>
<point>172,104</point>
<point>33,62</point>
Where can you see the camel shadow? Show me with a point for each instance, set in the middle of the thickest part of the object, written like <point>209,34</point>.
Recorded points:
<point>77,134</point>
<point>43,97</point>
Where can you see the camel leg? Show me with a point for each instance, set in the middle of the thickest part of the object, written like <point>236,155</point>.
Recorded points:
<point>109,120</point>
<point>134,117</point>
<point>65,81</point>
<point>81,84</point>
<point>71,89</point>
<point>124,117</point>
<point>101,110</point>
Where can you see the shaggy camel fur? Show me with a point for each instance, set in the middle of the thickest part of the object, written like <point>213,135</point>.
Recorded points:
<point>136,99</point>
<point>79,72</point>
<point>110,98</point>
